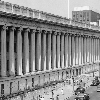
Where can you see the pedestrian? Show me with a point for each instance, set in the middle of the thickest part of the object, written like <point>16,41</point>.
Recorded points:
<point>57,97</point>
<point>52,93</point>
<point>39,97</point>
<point>62,92</point>
<point>81,84</point>
<point>42,98</point>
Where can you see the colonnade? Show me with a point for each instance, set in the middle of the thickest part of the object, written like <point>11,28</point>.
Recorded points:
<point>25,50</point>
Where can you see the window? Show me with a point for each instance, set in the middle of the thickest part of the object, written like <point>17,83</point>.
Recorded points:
<point>58,75</point>
<point>2,89</point>
<point>84,16</point>
<point>32,82</point>
<point>44,79</point>
<point>39,80</point>
<point>26,83</point>
<point>10,87</point>
<point>49,77</point>
<point>73,15</point>
<point>62,75</point>
<point>87,16</point>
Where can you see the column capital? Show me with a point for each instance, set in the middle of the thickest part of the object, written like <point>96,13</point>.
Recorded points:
<point>62,33</point>
<point>77,35</point>
<point>44,31</point>
<point>33,31</point>
<point>12,28</point>
<point>97,37</point>
<point>38,30</point>
<point>85,35</point>
<point>19,29</point>
<point>4,27</point>
<point>74,35</point>
<point>54,32</point>
<point>58,33</point>
<point>26,30</point>
<point>49,32</point>
<point>93,37</point>
<point>70,34</point>
<point>66,34</point>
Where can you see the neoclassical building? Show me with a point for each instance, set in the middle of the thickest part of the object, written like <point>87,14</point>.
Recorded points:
<point>37,47</point>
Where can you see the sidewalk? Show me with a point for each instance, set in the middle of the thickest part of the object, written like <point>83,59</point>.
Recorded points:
<point>67,90</point>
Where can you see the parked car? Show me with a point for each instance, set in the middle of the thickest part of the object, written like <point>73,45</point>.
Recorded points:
<point>95,82</point>
<point>96,78</point>
<point>98,88</point>
<point>82,96</point>
<point>79,90</point>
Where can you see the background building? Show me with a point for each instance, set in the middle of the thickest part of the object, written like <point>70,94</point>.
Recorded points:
<point>85,15</point>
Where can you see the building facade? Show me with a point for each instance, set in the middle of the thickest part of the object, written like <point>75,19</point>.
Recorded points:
<point>86,16</point>
<point>37,48</point>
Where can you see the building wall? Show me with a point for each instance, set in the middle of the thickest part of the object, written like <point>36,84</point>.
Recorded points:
<point>95,16</point>
<point>87,16</point>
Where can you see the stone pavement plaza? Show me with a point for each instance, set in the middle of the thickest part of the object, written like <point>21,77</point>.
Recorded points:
<point>67,90</point>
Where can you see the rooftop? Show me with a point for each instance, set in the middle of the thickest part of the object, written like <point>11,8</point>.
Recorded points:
<point>9,8</point>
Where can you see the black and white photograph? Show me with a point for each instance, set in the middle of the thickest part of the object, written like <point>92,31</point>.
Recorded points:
<point>49,49</point>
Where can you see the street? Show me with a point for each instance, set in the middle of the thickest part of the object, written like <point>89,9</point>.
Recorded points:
<point>68,90</point>
<point>94,95</point>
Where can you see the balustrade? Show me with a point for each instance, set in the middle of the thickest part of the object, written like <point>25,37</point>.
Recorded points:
<point>28,12</point>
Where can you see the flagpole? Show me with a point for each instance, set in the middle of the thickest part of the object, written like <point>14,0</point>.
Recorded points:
<point>68,9</point>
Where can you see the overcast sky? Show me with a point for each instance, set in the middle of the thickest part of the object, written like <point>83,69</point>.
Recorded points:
<point>57,7</point>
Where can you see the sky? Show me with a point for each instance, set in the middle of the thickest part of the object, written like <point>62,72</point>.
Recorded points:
<point>57,7</point>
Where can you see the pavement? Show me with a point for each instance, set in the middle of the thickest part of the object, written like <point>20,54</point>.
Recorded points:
<point>67,89</point>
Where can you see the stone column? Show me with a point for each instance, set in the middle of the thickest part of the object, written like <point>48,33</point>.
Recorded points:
<point>73,50</point>
<point>75,72</point>
<point>48,50</point>
<point>95,49</point>
<point>32,50</point>
<point>43,50</point>
<point>84,49</point>
<point>3,51</point>
<point>11,52</point>
<point>90,58</point>
<point>92,50</point>
<point>58,49</point>
<point>26,52</point>
<point>79,50</point>
<point>54,50</point>
<point>19,51</point>
<point>69,50</point>
<point>62,50</point>
<point>38,50</point>
<point>66,50</point>
<point>98,50</point>
<point>87,48</point>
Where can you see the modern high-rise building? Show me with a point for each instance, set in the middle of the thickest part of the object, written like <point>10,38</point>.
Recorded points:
<point>85,15</point>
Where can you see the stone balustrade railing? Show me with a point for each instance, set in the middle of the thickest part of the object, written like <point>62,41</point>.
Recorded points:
<point>28,12</point>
